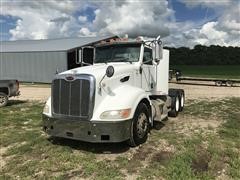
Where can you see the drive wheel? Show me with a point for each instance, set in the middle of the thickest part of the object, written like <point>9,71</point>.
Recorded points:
<point>175,106</point>
<point>140,126</point>
<point>182,100</point>
<point>3,99</point>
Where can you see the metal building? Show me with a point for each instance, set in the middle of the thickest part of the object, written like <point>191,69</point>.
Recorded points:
<point>38,60</point>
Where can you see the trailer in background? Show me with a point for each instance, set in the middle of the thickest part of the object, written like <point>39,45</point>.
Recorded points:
<point>218,81</point>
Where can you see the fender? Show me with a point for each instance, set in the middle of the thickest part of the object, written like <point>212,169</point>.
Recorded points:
<point>121,99</point>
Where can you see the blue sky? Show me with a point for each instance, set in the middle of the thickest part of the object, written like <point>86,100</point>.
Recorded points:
<point>198,13</point>
<point>179,22</point>
<point>7,23</point>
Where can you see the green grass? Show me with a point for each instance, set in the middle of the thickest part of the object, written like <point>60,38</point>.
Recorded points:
<point>220,71</point>
<point>31,154</point>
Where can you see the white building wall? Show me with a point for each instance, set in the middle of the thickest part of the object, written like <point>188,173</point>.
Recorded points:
<point>32,66</point>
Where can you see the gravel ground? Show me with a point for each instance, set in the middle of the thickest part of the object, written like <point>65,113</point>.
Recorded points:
<point>34,92</point>
<point>42,92</point>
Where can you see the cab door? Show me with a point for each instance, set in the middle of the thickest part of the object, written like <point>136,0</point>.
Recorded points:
<point>148,71</point>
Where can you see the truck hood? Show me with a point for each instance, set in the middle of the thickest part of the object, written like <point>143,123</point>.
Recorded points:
<point>99,70</point>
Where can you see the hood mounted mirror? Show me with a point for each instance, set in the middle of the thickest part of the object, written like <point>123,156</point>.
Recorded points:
<point>110,71</point>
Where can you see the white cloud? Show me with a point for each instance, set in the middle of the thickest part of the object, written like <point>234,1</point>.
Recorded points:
<point>213,35</point>
<point>133,18</point>
<point>60,19</point>
<point>82,19</point>
<point>86,32</point>
<point>20,32</point>
<point>42,19</point>
<point>209,30</point>
<point>224,30</point>
<point>52,19</point>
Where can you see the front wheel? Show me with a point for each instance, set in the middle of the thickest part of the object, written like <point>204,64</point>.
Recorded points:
<point>140,126</point>
<point>3,99</point>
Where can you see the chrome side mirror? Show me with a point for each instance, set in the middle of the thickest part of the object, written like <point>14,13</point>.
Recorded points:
<point>158,50</point>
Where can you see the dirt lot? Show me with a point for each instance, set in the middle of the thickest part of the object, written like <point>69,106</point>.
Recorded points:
<point>34,92</point>
<point>42,92</point>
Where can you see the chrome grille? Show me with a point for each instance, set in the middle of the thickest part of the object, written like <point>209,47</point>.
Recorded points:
<point>73,99</point>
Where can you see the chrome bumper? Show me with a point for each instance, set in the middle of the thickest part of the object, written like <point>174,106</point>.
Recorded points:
<point>89,131</point>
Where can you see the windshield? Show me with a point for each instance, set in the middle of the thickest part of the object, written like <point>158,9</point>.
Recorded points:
<point>117,53</point>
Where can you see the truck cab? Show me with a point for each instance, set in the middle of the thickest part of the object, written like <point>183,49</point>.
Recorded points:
<point>119,97</point>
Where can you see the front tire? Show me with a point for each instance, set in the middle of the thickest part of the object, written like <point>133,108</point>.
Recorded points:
<point>3,99</point>
<point>140,126</point>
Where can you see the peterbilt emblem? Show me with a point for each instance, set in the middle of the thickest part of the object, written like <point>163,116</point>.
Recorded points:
<point>70,78</point>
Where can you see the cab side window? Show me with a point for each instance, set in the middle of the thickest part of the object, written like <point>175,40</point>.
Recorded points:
<point>147,57</point>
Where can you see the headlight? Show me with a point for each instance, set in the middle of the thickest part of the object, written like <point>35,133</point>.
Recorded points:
<point>46,109</point>
<point>116,114</point>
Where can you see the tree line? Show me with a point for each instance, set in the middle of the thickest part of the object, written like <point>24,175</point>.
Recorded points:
<point>205,55</point>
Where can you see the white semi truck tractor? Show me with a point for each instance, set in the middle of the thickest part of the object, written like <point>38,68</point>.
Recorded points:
<point>120,97</point>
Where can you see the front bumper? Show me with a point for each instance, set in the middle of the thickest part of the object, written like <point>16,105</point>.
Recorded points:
<point>89,131</point>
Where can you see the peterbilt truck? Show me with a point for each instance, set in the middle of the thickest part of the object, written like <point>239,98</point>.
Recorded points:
<point>120,97</point>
